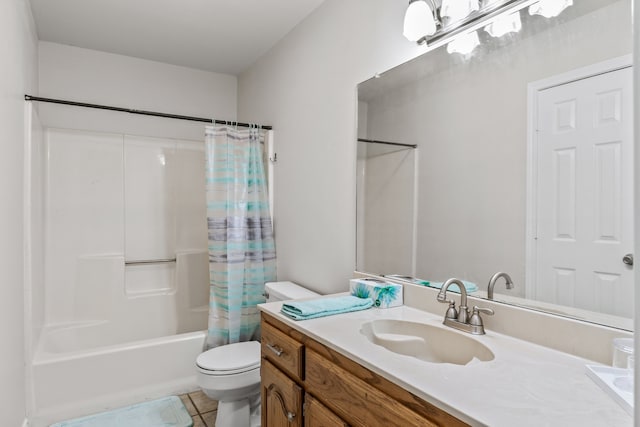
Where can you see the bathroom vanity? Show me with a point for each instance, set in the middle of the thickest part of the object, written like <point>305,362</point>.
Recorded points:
<point>330,372</point>
<point>307,383</point>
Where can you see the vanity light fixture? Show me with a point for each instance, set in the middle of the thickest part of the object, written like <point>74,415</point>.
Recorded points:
<point>457,10</point>
<point>438,22</point>
<point>549,8</point>
<point>504,24</point>
<point>420,20</point>
<point>464,43</point>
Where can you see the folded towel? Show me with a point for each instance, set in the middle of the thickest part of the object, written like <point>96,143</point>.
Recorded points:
<point>301,310</point>
<point>468,286</point>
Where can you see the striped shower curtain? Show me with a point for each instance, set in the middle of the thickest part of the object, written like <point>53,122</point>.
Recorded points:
<point>242,255</point>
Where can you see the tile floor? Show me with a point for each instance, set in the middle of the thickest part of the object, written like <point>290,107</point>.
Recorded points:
<point>202,409</point>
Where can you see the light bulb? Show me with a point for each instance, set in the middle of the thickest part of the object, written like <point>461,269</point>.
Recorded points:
<point>549,8</point>
<point>504,24</point>
<point>464,43</point>
<point>418,21</point>
<point>457,10</point>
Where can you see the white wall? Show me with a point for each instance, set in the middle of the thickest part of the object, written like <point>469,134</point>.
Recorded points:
<point>18,51</point>
<point>306,88</point>
<point>85,75</point>
<point>77,74</point>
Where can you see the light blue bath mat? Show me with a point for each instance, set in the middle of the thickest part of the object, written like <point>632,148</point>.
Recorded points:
<point>165,412</point>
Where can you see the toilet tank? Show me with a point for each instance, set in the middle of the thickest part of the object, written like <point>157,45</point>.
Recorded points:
<point>281,291</point>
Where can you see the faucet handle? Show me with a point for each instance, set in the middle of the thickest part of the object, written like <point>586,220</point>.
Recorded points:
<point>488,311</point>
<point>475,316</point>
<point>451,313</point>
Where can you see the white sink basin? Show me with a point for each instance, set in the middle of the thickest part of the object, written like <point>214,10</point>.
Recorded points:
<point>426,342</point>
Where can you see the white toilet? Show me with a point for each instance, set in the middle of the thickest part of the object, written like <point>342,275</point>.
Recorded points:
<point>230,373</point>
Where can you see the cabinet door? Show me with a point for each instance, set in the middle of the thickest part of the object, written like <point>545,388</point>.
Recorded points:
<point>318,415</point>
<point>355,401</point>
<point>281,398</point>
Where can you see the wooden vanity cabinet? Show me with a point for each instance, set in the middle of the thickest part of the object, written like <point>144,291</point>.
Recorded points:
<point>281,398</point>
<point>283,351</point>
<point>318,415</point>
<point>305,383</point>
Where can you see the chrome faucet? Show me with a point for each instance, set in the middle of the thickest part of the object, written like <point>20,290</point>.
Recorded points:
<point>492,282</point>
<point>460,319</point>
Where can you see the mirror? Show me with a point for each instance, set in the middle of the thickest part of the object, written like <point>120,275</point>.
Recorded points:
<point>523,165</point>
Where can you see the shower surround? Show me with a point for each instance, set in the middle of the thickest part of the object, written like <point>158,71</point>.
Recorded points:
<point>105,328</point>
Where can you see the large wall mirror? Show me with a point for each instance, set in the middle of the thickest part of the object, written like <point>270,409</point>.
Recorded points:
<point>523,164</point>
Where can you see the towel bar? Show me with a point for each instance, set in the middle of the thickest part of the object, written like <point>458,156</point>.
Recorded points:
<point>150,261</point>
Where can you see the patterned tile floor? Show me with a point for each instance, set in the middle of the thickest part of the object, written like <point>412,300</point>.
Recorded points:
<point>202,409</point>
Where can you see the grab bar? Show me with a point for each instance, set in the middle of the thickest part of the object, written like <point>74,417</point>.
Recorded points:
<point>150,261</point>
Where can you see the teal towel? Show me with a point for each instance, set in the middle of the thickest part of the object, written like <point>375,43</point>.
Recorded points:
<point>468,286</point>
<point>301,310</point>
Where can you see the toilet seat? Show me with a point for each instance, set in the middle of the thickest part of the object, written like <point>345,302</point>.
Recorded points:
<point>230,359</point>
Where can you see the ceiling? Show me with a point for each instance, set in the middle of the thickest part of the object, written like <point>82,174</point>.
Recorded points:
<point>224,36</point>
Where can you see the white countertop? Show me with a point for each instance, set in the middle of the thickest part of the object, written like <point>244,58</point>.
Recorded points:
<point>526,384</point>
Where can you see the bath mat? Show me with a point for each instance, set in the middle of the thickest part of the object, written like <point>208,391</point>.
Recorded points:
<point>165,412</point>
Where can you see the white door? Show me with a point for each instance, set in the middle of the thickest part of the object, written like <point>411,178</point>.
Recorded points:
<point>585,193</point>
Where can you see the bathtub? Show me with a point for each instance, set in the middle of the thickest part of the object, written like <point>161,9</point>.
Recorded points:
<point>73,377</point>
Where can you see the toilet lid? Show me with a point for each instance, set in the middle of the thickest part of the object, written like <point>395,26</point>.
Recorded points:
<point>231,357</point>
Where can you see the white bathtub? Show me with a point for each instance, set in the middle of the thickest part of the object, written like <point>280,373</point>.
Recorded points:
<point>69,384</point>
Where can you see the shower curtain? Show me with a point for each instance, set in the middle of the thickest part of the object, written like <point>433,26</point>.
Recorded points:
<point>242,255</point>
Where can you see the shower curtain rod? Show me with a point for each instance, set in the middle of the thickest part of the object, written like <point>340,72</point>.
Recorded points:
<point>374,141</point>
<point>141,112</point>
